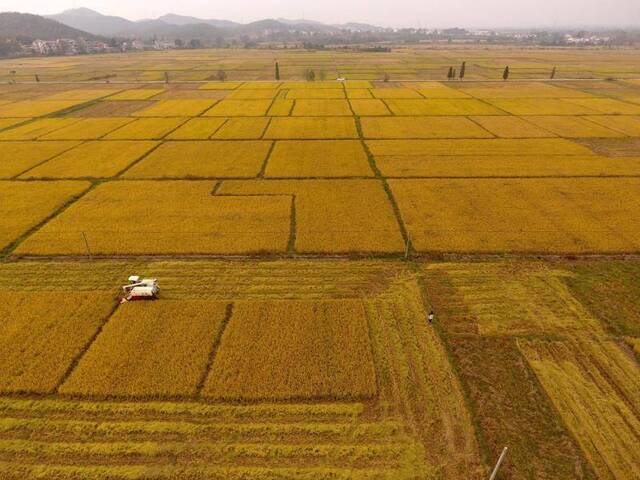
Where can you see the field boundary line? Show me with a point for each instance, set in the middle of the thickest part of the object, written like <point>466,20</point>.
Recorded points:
<point>80,143</point>
<point>76,359</point>
<point>214,349</point>
<point>293,233</point>
<point>263,167</point>
<point>138,160</point>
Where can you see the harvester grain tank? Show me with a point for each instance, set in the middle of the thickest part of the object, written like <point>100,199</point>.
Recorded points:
<point>140,289</point>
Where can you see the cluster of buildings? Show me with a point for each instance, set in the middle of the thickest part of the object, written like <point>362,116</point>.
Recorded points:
<point>67,46</point>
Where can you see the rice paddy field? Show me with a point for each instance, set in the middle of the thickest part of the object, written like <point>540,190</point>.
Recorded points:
<point>301,233</point>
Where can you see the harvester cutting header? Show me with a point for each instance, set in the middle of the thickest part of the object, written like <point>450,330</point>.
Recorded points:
<point>140,289</point>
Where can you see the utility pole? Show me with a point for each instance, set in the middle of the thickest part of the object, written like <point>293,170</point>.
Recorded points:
<point>86,244</point>
<point>498,463</point>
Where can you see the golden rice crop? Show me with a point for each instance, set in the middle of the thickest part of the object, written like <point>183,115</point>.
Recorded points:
<point>572,127</point>
<point>10,122</point>
<point>152,350</point>
<point>146,217</point>
<point>260,85</point>
<point>203,159</point>
<point>321,108</point>
<point>137,94</point>
<point>197,129</point>
<point>394,93</point>
<point>318,158</point>
<point>523,215</point>
<point>541,106</point>
<point>35,108</point>
<point>84,95</point>
<point>607,105</point>
<point>239,108</point>
<point>521,90</point>
<point>87,129</point>
<point>243,128</point>
<point>42,332</point>
<point>621,123</point>
<point>335,216</point>
<point>93,159</point>
<point>441,106</point>
<point>312,93</point>
<point>370,106</point>
<point>509,126</point>
<point>437,90</point>
<point>146,129</point>
<point>176,108</point>
<point>220,86</point>
<point>482,147</point>
<point>304,350</point>
<point>357,84</point>
<point>424,165</point>
<point>244,94</point>
<point>37,128</point>
<point>20,156</point>
<point>312,85</point>
<point>359,93</point>
<point>24,204</point>
<point>281,108</point>
<point>594,386</point>
<point>312,128</point>
<point>421,127</point>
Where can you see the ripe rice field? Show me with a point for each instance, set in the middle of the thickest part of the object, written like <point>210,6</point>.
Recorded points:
<point>301,233</point>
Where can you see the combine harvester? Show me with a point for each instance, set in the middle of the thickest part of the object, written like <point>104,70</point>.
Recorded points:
<point>140,289</point>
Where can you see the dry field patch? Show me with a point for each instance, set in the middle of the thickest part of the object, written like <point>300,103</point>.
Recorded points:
<point>25,204</point>
<point>16,157</point>
<point>530,215</point>
<point>284,350</point>
<point>84,95</point>
<point>37,128</point>
<point>180,217</point>
<point>442,106</point>
<point>312,128</point>
<point>572,127</point>
<point>155,350</point>
<point>137,94</point>
<point>176,108</point>
<point>421,127</point>
<point>318,158</point>
<point>541,106</point>
<point>42,332</point>
<point>87,129</point>
<point>146,129</point>
<point>194,159</point>
<point>321,108</point>
<point>93,160</point>
<point>242,129</point>
<point>509,126</point>
<point>239,108</point>
<point>333,216</point>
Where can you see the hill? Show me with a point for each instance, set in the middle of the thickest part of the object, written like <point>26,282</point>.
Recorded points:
<point>173,19</point>
<point>92,21</point>
<point>13,24</point>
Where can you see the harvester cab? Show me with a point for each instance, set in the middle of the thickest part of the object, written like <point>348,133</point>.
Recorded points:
<point>140,289</point>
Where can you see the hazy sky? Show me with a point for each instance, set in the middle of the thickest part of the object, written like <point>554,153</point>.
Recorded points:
<point>426,13</point>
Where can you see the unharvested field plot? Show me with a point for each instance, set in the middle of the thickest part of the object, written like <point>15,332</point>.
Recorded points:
<point>627,125</point>
<point>244,94</point>
<point>321,108</point>
<point>87,129</point>
<point>315,93</point>
<point>421,127</point>
<point>306,350</point>
<point>395,93</point>
<point>311,128</point>
<point>197,129</point>
<point>16,157</point>
<point>176,108</point>
<point>146,129</point>
<point>157,350</point>
<point>41,334</point>
<point>10,122</point>
<point>25,205</point>
<point>92,160</point>
<point>180,217</point>
<point>370,106</point>
<point>608,105</point>
<point>332,216</point>
<point>441,106</point>
<point>526,215</point>
<point>509,126</point>
<point>520,90</point>
<point>318,158</point>
<point>36,128</point>
<point>239,108</point>
<point>195,159</point>
<point>35,108</point>
<point>541,106</point>
<point>242,128</point>
<point>281,108</point>
<point>220,86</point>
<point>436,90</point>
<point>572,127</point>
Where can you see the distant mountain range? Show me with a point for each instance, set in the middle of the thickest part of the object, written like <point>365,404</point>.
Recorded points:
<point>180,26</point>
<point>15,25</point>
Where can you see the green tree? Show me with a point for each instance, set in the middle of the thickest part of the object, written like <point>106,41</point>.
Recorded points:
<point>463,70</point>
<point>553,73</point>
<point>450,74</point>
<point>505,74</point>
<point>277,71</point>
